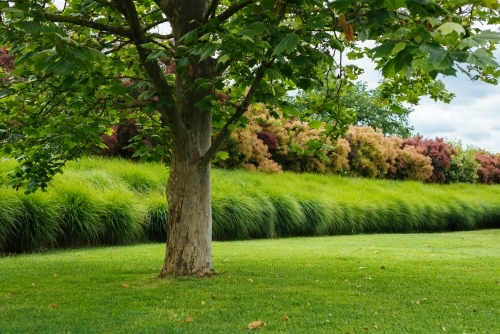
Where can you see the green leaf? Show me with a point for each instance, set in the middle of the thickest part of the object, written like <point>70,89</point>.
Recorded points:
<point>449,27</point>
<point>482,59</point>
<point>222,155</point>
<point>484,37</point>
<point>384,49</point>
<point>63,66</point>
<point>208,50</point>
<point>223,59</point>
<point>17,13</point>
<point>439,57</point>
<point>287,44</point>
<point>156,55</point>
<point>273,74</point>
<point>30,26</point>
<point>334,43</point>
<point>315,124</point>
<point>189,37</point>
<point>118,89</point>
<point>253,29</point>
<point>394,4</point>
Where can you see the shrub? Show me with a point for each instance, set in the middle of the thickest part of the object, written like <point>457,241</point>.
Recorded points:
<point>440,153</point>
<point>116,142</point>
<point>489,171</point>
<point>372,154</point>
<point>409,164</point>
<point>273,145</point>
<point>464,166</point>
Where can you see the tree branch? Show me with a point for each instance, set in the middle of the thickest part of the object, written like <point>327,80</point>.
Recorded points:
<point>240,110</point>
<point>154,24</point>
<point>211,10</point>
<point>160,36</point>
<point>233,10</point>
<point>166,105</point>
<point>90,24</point>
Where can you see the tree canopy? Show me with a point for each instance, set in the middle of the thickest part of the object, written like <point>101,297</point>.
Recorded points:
<point>81,65</point>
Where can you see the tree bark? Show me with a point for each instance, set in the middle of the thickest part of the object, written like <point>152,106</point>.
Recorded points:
<point>189,249</point>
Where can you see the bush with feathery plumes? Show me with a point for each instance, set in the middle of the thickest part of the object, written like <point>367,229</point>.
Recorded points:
<point>489,171</point>
<point>272,145</point>
<point>438,150</point>
<point>410,164</point>
<point>372,154</point>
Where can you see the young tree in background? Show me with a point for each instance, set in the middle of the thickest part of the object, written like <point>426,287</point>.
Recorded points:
<point>84,64</point>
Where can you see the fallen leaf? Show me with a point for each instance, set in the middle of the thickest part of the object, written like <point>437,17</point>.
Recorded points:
<point>368,277</point>
<point>250,280</point>
<point>33,284</point>
<point>443,328</point>
<point>125,285</point>
<point>202,303</point>
<point>189,319</point>
<point>284,318</point>
<point>366,328</point>
<point>55,275</point>
<point>362,268</point>
<point>256,324</point>
<point>53,305</point>
<point>225,260</point>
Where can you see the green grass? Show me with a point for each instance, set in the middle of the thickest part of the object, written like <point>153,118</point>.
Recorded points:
<point>403,283</point>
<point>114,201</point>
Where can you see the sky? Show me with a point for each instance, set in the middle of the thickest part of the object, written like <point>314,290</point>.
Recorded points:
<point>473,116</point>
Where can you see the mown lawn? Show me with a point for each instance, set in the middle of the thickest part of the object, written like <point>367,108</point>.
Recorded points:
<point>411,283</point>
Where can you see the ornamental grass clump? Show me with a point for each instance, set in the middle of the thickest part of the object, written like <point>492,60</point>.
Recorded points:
<point>10,206</point>
<point>79,213</point>
<point>156,221</point>
<point>123,218</point>
<point>36,224</point>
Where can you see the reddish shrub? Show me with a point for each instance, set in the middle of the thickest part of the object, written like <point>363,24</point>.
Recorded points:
<point>268,139</point>
<point>489,171</point>
<point>441,154</point>
<point>120,138</point>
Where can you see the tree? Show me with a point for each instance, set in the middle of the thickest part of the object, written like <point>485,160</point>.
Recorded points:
<point>85,64</point>
<point>369,107</point>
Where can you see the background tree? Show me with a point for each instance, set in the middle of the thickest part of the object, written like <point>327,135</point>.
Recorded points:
<point>370,109</point>
<point>67,87</point>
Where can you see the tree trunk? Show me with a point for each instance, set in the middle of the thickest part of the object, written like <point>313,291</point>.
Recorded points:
<point>189,249</point>
<point>189,239</point>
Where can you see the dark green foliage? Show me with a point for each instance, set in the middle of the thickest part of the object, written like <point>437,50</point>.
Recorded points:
<point>156,219</point>
<point>9,207</point>
<point>36,224</point>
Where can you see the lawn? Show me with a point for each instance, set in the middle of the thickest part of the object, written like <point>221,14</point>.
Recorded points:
<point>398,283</point>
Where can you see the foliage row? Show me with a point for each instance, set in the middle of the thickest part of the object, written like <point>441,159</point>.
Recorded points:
<point>274,144</point>
<point>110,202</point>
